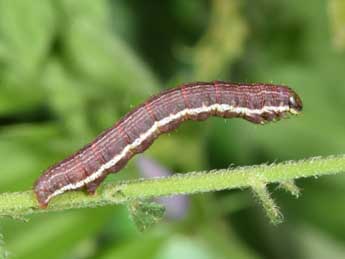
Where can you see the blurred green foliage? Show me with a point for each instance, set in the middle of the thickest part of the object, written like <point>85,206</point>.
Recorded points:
<point>337,16</point>
<point>69,69</point>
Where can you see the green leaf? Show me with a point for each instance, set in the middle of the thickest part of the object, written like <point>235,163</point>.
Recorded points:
<point>59,84</point>
<point>25,151</point>
<point>51,237</point>
<point>145,214</point>
<point>97,54</point>
<point>26,34</point>
<point>146,245</point>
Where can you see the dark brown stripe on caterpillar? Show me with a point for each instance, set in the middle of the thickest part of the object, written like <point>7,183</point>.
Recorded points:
<point>135,132</point>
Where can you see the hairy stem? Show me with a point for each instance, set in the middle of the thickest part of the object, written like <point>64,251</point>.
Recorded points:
<point>24,203</point>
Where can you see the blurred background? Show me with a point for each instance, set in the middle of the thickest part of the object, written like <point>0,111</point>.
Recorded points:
<point>69,69</point>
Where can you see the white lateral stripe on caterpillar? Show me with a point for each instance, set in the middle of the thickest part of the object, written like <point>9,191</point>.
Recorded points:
<point>161,123</point>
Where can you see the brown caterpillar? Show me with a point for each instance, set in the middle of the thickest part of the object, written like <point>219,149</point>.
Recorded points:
<point>111,150</point>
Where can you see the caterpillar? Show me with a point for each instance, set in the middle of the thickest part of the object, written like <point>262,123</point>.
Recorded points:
<point>258,103</point>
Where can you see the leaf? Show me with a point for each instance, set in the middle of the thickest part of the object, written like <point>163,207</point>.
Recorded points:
<point>25,151</point>
<point>53,236</point>
<point>145,214</point>
<point>26,34</point>
<point>146,246</point>
<point>59,84</point>
<point>100,56</point>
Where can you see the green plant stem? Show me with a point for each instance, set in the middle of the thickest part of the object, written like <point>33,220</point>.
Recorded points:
<point>24,203</point>
<point>272,210</point>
